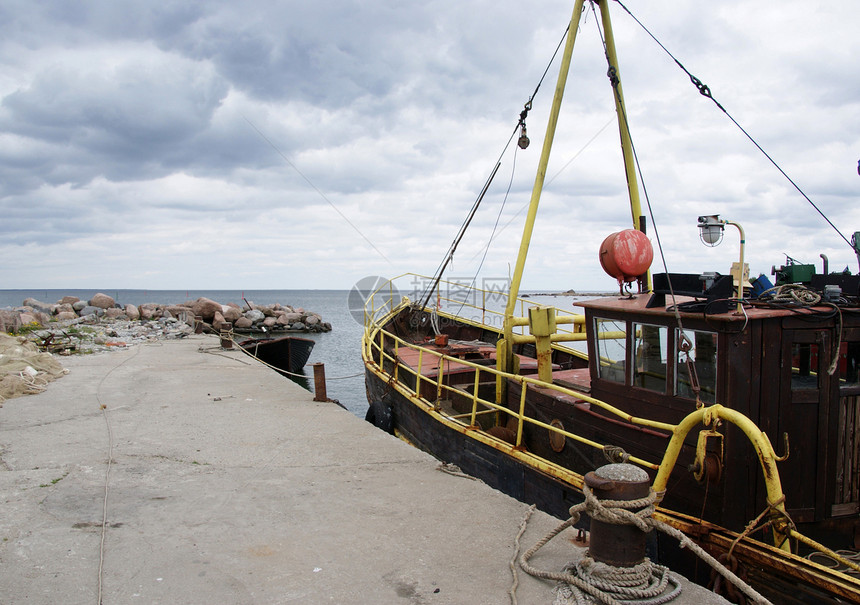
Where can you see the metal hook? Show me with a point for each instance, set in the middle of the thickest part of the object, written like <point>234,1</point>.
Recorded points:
<point>787,451</point>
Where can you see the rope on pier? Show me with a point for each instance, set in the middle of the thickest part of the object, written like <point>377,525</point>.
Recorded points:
<point>644,584</point>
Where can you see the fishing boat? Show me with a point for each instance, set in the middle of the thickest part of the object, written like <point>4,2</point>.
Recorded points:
<point>741,399</point>
<point>287,354</point>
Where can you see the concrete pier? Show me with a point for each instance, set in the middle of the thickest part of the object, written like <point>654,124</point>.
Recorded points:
<point>228,484</point>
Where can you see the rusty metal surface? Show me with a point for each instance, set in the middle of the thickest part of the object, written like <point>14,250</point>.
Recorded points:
<point>617,545</point>
<point>637,304</point>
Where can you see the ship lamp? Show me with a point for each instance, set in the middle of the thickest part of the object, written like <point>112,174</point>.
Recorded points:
<point>711,229</point>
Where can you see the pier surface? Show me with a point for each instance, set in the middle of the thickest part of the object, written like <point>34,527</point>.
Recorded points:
<point>229,484</point>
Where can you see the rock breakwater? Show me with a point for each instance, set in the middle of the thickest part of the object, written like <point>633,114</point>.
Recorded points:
<point>202,312</point>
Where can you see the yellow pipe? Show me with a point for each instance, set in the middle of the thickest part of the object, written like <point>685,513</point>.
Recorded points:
<point>821,548</point>
<point>559,319</point>
<point>764,451</point>
<point>541,173</point>
<point>519,339</point>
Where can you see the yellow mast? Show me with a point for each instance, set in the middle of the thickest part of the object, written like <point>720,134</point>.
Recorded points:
<point>626,144</point>
<point>504,356</point>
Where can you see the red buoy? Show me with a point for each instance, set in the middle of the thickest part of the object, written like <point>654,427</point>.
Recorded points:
<point>626,255</point>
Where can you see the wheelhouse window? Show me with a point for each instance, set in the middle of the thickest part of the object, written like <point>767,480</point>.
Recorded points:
<point>611,348</point>
<point>804,366</point>
<point>849,365</point>
<point>651,353</point>
<point>698,364</point>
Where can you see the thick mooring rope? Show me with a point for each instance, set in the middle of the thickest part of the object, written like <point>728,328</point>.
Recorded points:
<point>644,584</point>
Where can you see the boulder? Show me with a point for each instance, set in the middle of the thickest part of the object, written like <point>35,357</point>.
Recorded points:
<point>10,321</point>
<point>69,300</point>
<point>281,320</point>
<point>298,326</point>
<point>292,317</point>
<point>255,315</point>
<point>270,322</point>
<point>231,313</point>
<point>218,321</point>
<point>312,320</point>
<point>66,315</point>
<point>77,306</point>
<point>181,312</point>
<point>132,312</point>
<point>102,301</point>
<point>39,305</point>
<point>206,308</point>
<point>92,310</point>
<point>64,308</point>
<point>114,313</point>
<point>243,323</point>
<point>147,311</point>
<point>29,318</point>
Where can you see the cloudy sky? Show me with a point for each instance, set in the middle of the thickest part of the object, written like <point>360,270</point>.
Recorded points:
<point>284,144</point>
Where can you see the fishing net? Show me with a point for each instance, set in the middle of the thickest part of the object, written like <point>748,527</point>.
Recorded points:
<point>24,370</point>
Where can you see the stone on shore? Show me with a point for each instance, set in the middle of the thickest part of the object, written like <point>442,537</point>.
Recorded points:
<point>10,321</point>
<point>132,312</point>
<point>39,305</point>
<point>206,308</point>
<point>218,321</point>
<point>102,301</point>
<point>243,323</point>
<point>231,313</point>
<point>255,315</point>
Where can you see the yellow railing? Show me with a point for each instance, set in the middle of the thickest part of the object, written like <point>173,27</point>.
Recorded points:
<point>378,340</point>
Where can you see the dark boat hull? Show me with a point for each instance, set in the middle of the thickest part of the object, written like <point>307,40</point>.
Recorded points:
<point>490,465</point>
<point>287,354</point>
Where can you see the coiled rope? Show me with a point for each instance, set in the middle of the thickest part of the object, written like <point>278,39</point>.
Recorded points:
<point>644,584</point>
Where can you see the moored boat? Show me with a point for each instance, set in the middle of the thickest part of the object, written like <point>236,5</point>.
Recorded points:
<point>287,354</point>
<point>694,378</point>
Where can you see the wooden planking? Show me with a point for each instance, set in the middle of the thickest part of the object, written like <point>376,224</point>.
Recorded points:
<point>847,494</point>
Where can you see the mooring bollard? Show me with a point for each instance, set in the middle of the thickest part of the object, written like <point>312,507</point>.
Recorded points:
<point>319,382</point>
<point>610,543</point>
<point>227,335</point>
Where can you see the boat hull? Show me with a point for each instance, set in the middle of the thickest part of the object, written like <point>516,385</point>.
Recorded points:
<point>476,458</point>
<point>288,354</point>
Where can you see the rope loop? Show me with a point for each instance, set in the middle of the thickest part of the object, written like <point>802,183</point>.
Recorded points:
<point>615,453</point>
